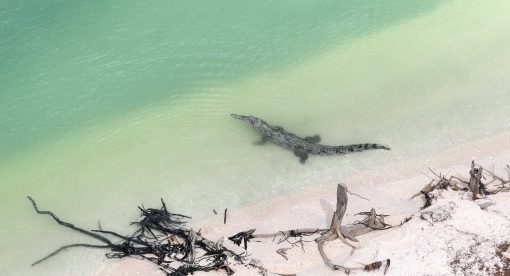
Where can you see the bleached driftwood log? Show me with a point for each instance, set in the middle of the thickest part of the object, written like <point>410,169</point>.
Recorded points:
<point>475,180</point>
<point>336,231</point>
<point>372,222</point>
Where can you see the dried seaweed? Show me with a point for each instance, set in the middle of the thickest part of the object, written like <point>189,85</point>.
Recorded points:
<point>162,238</point>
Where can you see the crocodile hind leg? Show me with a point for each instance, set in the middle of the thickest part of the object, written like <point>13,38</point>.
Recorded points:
<point>313,139</point>
<point>302,155</point>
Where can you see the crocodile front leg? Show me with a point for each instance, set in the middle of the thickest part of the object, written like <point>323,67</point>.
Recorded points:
<point>313,139</point>
<point>302,155</point>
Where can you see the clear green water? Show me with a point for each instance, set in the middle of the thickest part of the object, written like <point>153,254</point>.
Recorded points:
<point>107,105</point>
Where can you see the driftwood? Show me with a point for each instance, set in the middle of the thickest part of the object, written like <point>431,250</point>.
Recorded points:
<point>479,184</point>
<point>373,221</point>
<point>475,180</point>
<point>500,184</point>
<point>161,238</point>
<point>336,231</point>
<point>475,184</point>
<point>283,252</point>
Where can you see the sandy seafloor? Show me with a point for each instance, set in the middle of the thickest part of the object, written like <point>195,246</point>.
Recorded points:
<point>433,86</point>
<point>419,247</point>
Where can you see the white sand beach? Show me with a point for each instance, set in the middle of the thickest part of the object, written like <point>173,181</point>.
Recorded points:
<point>418,247</point>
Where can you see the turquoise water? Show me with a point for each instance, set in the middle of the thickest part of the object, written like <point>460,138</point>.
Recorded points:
<point>68,65</point>
<point>107,105</point>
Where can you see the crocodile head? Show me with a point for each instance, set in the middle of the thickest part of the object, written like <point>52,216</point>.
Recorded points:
<point>254,122</point>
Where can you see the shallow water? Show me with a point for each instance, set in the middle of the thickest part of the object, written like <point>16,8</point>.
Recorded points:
<point>105,106</point>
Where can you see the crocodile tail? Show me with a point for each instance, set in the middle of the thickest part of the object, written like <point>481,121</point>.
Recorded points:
<point>359,147</point>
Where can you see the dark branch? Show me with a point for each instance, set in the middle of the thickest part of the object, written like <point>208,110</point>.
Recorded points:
<point>69,225</point>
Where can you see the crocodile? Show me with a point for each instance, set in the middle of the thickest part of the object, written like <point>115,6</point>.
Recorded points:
<point>301,147</point>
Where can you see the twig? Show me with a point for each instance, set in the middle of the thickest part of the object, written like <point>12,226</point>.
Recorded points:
<point>354,194</point>
<point>283,252</point>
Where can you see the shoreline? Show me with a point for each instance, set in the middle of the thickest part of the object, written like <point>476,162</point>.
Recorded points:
<point>157,127</point>
<point>388,189</point>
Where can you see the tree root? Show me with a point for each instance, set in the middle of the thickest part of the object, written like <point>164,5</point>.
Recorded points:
<point>475,184</point>
<point>372,222</point>
<point>162,239</point>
